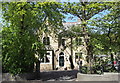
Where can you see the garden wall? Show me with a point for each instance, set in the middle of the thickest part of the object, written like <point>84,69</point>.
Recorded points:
<point>95,77</point>
<point>20,77</point>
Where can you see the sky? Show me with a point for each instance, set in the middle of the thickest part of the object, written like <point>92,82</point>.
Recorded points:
<point>74,18</point>
<point>70,18</point>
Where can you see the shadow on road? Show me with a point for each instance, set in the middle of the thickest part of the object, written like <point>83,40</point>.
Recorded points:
<point>58,75</point>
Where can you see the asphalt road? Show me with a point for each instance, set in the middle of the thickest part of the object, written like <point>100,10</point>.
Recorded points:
<point>69,75</point>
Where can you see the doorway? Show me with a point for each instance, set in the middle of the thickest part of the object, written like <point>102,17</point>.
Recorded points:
<point>61,59</point>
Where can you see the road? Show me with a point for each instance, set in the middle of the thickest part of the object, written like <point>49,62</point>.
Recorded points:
<point>70,75</point>
<point>58,77</point>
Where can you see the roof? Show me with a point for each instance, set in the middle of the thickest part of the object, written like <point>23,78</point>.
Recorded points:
<point>70,23</point>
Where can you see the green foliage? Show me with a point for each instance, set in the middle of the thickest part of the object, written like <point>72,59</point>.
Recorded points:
<point>18,37</point>
<point>103,37</point>
<point>84,70</point>
<point>17,56</point>
<point>84,10</point>
<point>106,31</point>
<point>24,23</point>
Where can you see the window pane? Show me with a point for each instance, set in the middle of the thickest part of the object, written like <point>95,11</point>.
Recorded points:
<point>46,40</point>
<point>61,61</point>
<point>47,60</point>
<point>76,57</point>
<point>63,42</point>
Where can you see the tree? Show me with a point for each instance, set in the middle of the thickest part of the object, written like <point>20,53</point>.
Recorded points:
<point>107,32</point>
<point>24,24</point>
<point>18,37</point>
<point>0,39</point>
<point>84,11</point>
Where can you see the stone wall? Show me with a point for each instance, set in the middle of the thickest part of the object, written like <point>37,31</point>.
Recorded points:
<point>45,67</point>
<point>20,77</point>
<point>95,77</point>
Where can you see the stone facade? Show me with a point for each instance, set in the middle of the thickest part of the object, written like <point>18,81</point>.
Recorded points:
<point>59,51</point>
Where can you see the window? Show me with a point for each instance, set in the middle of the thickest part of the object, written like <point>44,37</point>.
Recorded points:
<point>46,58</point>
<point>78,56</point>
<point>63,42</point>
<point>46,40</point>
<point>78,41</point>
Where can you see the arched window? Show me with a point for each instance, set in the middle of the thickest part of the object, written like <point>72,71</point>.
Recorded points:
<point>61,59</point>
<point>46,40</point>
<point>63,42</point>
<point>61,53</point>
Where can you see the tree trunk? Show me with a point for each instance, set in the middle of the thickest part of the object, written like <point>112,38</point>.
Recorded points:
<point>112,58</point>
<point>86,37</point>
<point>71,56</point>
<point>53,65</point>
<point>110,42</point>
<point>87,47</point>
<point>38,66</point>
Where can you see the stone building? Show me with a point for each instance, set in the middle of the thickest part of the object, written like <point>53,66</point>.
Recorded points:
<point>62,54</point>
